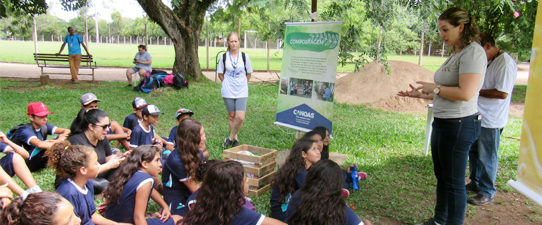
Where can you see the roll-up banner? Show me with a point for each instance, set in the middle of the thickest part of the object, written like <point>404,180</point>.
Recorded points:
<point>308,73</point>
<point>529,173</point>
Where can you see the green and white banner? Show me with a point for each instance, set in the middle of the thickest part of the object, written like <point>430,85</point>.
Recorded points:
<point>309,69</point>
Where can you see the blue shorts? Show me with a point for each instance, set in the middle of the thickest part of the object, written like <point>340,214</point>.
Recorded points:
<point>7,164</point>
<point>110,131</point>
<point>157,221</point>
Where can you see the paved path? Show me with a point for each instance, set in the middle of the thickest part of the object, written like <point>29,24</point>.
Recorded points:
<point>119,74</point>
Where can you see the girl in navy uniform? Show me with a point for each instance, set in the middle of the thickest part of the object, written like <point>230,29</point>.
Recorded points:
<point>323,187</point>
<point>13,163</point>
<point>129,192</point>
<point>79,164</point>
<point>221,196</point>
<point>291,176</point>
<point>143,133</point>
<point>43,208</point>
<point>181,166</point>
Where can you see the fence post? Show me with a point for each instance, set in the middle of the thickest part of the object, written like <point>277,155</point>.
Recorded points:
<point>137,40</point>
<point>51,38</point>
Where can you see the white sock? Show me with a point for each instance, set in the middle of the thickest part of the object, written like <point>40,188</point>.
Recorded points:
<point>34,189</point>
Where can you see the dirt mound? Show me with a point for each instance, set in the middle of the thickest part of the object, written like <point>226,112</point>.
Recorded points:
<point>374,86</point>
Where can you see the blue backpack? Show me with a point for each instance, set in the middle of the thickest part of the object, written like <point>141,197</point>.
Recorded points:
<point>147,85</point>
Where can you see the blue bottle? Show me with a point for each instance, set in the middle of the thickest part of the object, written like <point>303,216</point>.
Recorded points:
<point>355,179</point>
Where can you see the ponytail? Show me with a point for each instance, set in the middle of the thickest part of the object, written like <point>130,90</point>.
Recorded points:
<point>36,209</point>
<point>86,117</point>
<point>67,159</point>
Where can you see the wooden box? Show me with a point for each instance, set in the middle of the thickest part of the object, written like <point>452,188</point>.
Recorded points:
<point>263,169</point>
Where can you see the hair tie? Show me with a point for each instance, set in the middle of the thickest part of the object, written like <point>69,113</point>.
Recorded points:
<point>87,110</point>
<point>66,148</point>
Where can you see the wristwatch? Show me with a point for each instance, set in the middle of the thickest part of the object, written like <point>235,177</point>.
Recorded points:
<point>436,90</point>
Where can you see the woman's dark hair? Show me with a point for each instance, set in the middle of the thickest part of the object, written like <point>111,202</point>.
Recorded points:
<point>220,197</point>
<point>312,133</point>
<point>86,117</point>
<point>188,139</point>
<point>322,131</point>
<point>67,159</point>
<point>144,47</point>
<point>203,167</point>
<point>456,16</point>
<point>36,209</point>
<point>285,178</point>
<point>134,162</point>
<point>323,187</point>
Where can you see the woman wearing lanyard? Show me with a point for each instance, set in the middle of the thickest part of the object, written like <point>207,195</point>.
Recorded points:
<point>74,41</point>
<point>234,70</point>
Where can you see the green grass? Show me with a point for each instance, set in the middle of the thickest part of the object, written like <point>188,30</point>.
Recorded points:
<point>121,55</point>
<point>518,95</point>
<point>388,146</point>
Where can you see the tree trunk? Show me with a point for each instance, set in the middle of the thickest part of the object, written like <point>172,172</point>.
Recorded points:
<point>379,44</point>
<point>183,25</point>
<point>421,47</point>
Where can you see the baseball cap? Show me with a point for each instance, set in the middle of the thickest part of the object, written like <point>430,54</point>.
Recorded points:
<point>38,109</point>
<point>89,98</point>
<point>139,103</point>
<point>182,111</point>
<point>151,110</point>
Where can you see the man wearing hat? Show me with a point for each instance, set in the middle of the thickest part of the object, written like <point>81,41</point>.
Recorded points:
<point>180,115</point>
<point>32,138</point>
<point>116,132</point>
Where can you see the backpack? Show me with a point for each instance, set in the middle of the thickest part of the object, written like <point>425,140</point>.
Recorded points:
<point>43,130</point>
<point>155,71</point>
<point>179,81</point>
<point>168,80</point>
<point>147,85</point>
<point>242,56</point>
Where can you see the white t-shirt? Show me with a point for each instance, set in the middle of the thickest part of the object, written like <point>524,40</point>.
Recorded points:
<point>472,59</point>
<point>501,75</point>
<point>235,84</point>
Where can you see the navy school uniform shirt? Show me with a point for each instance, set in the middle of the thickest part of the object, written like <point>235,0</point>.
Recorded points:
<point>130,121</point>
<point>173,175</point>
<point>351,217</point>
<point>172,136</point>
<point>141,136</point>
<point>278,211</point>
<point>122,211</point>
<point>6,162</point>
<point>81,199</point>
<point>23,136</point>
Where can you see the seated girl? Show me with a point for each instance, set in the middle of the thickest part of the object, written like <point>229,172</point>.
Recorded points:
<point>221,196</point>
<point>129,192</point>
<point>13,163</point>
<point>291,176</point>
<point>79,164</point>
<point>323,187</point>
<point>180,168</point>
<point>43,208</point>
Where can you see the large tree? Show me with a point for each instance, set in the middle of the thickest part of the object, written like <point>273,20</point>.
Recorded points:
<point>182,24</point>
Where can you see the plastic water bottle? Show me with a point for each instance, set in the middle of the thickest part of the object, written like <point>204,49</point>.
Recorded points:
<point>355,180</point>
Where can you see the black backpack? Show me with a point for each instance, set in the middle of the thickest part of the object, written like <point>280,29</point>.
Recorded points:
<point>244,62</point>
<point>43,130</point>
<point>179,81</point>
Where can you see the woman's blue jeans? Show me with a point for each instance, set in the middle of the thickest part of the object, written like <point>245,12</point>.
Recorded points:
<point>451,141</point>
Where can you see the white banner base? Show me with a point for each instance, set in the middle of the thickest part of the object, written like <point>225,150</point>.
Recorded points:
<point>526,191</point>
<point>292,126</point>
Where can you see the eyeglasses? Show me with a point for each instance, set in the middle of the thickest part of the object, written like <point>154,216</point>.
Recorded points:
<point>104,126</point>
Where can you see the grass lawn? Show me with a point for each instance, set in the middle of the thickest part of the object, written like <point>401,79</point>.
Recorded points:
<point>388,146</point>
<point>120,55</point>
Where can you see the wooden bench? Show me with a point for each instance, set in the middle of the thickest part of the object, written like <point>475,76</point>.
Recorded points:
<point>54,60</point>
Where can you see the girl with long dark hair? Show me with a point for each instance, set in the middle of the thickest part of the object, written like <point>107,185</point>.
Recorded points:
<point>220,199</point>
<point>457,122</point>
<point>180,168</point>
<point>129,192</point>
<point>42,208</point>
<point>320,200</point>
<point>291,176</point>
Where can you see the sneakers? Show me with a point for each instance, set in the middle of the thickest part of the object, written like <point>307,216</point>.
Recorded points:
<point>129,85</point>
<point>362,176</point>
<point>346,193</point>
<point>227,142</point>
<point>235,143</point>
<point>472,189</point>
<point>430,221</point>
<point>480,199</point>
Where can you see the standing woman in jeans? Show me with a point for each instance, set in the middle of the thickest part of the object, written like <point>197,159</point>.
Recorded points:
<point>234,71</point>
<point>74,41</point>
<point>457,122</point>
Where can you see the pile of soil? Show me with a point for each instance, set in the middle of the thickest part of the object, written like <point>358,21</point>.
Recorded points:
<point>374,86</point>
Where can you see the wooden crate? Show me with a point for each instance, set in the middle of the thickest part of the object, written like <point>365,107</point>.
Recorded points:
<point>264,166</point>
